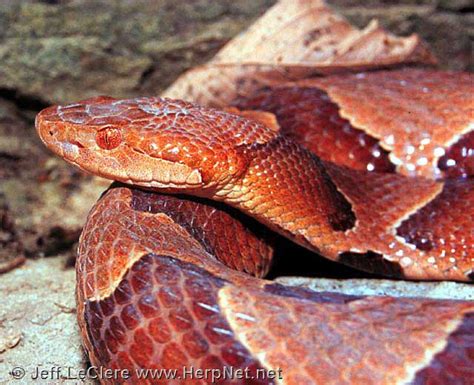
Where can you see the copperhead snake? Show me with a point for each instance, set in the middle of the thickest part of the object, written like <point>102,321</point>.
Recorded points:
<point>169,269</point>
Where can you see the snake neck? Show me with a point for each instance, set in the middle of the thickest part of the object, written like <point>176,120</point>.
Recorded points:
<point>288,189</point>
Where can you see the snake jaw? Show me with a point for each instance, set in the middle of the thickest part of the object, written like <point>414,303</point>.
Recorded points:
<point>162,174</point>
<point>153,173</point>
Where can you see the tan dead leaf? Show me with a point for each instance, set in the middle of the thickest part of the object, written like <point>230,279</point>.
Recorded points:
<point>9,339</point>
<point>293,40</point>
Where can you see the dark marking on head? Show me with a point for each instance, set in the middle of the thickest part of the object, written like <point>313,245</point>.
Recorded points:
<point>372,262</point>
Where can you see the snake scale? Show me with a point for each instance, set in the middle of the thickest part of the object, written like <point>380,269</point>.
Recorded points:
<point>374,170</point>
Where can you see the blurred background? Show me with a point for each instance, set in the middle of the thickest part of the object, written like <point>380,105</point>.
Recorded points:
<point>62,51</point>
<point>57,51</point>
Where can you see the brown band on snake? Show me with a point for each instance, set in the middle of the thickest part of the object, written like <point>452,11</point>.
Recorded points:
<point>453,209</point>
<point>164,315</point>
<point>169,311</point>
<point>436,212</point>
<point>459,158</point>
<point>152,294</point>
<point>449,365</point>
<point>384,196</point>
<point>183,148</point>
<point>416,114</point>
<point>109,247</point>
<point>125,249</point>
<point>309,117</point>
<point>372,340</point>
<point>235,239</point>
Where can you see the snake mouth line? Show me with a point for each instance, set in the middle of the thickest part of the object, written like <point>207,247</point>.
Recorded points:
<point>155,173</point>
<point>162,173</point>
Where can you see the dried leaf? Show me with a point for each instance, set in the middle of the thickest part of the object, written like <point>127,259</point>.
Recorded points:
<point>293,40</point>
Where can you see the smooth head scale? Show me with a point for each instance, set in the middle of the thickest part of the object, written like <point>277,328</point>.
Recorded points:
<point>151,142</point>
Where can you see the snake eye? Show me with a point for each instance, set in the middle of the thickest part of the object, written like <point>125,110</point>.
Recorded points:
<point>109,138</point>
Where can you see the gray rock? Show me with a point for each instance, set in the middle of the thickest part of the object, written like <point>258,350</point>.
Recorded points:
<point>73,50</point>
<point>59,52</point>
<point>439,290</point>
<point>38,327</point>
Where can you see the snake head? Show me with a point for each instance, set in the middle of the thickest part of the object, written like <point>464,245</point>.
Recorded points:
<point>151,142</point>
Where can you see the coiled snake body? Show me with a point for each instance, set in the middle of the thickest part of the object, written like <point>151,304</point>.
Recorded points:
<point>171,281</point>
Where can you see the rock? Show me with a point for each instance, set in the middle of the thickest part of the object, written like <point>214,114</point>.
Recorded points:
<point>44,195</point>
<point>68,51</point>
<point>11,246</point>
<point>64,51</point>
<point>439,290</point>
<point>38,327</point>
